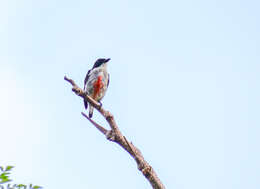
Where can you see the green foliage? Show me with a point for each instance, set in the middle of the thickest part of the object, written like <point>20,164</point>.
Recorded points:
<point>8,168</point>
<point>36,187</point>
<point>19,186</point>
<point>4,178</point>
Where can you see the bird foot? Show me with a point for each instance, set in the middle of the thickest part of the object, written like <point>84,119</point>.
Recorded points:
<point>100,105</point>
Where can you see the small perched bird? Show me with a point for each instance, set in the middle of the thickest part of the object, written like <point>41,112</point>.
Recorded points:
<point>96,82</point>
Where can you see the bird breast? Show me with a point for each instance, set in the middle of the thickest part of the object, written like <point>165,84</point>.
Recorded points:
<point>97,83</point>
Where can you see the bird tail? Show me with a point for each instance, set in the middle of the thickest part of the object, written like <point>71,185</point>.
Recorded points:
<point>91,109</point>
<point>86,104</point>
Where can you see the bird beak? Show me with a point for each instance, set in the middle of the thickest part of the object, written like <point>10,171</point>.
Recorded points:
<point>107,60</point>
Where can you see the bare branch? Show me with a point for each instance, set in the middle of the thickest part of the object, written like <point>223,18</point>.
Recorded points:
<point>99,127</point>
<point>78,91</point>
<point>116,136</point>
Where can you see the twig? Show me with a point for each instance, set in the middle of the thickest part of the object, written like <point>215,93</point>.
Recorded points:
<point>99,127</point>
<point>116,136</point>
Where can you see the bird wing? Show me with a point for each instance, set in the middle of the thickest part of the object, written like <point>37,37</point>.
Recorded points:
<point>85,87</point>
<point>86,79</point>
<point>108,80</point>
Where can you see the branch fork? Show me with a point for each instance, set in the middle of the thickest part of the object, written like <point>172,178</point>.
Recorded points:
<point>116,136</point>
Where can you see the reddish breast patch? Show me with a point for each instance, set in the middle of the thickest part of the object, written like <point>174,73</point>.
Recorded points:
<point>97,87</point>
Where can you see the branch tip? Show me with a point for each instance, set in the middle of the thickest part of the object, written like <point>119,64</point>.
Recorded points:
<point>99,127</point>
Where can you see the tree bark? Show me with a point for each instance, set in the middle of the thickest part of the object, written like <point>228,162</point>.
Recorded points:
<point>116,136</point>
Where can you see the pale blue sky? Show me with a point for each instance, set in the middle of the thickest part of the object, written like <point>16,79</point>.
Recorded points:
<point>184,89</point>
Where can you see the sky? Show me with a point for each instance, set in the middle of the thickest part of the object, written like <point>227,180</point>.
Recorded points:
<point>184,88</point>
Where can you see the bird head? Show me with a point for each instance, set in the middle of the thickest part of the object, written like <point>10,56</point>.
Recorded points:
<point>100,62</point>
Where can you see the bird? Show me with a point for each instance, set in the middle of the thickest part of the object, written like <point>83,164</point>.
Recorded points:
<point>96,82</point>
